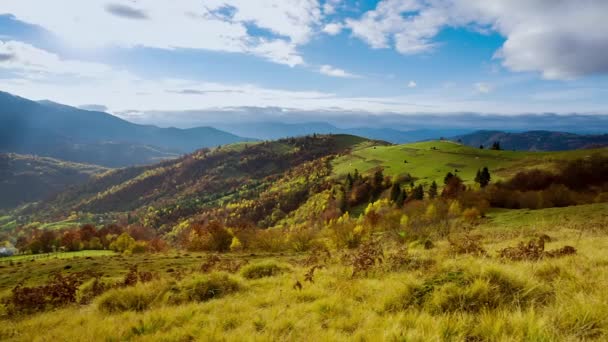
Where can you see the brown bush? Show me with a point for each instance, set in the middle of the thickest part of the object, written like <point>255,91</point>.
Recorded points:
<point>466,244</point>
<point>534,250</point>
<point>215,263</point>
<point>134,276</point>
<point>59,291</point>
<point>366,257</point>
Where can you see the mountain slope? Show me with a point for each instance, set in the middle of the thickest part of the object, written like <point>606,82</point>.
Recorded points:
<point>26,178</point>
<point>50,129</point>
<point>211,179</point>
<point>534,140</point>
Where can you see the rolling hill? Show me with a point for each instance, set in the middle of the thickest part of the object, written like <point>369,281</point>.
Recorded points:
<point>277,182</point>
<point>25,178</point>
<point>430,161</point>
<point>534,140</point>
<point>49,129</point>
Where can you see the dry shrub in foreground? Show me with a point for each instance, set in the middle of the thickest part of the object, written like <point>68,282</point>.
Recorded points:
<point>402,260</point>
<point>366,257</point>
<point>467,244</point>
<point>534,250</point>
<point>134,276</point>
<point>471,291</point>
<point>59,291</point>
<point>215,263</point>
<point>262,270</point>
<point>202,288</point>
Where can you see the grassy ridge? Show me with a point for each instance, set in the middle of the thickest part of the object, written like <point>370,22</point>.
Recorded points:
<point>430,161</point>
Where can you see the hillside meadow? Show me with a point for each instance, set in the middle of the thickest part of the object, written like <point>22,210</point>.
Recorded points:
<point>440,291</point>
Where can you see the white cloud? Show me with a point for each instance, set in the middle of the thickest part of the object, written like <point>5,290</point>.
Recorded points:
<point>336,72</point>
<point>329,7</point>
<point>561,39</point>
<point>219,25</point>
<point>333,28</point>
<point>483,88</point>
<point>33,63</point>
<point>412,84</point>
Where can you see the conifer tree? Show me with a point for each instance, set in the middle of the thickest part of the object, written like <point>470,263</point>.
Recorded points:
<point>433,190</point>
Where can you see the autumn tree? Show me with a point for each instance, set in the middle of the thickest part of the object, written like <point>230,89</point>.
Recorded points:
<point>70,240</point>
<point>453,187</point>
<point>447,178</point>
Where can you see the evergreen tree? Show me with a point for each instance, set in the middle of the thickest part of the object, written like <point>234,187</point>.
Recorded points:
<point>485,177</point>
<point>418,192</point>
<point>395,192</point>
<point>401,198</point>
<point>496,146</point>
<point>433,190</point>
<point>349,182</point>
<point>356,175</point>
<point>478,177</point>
<point>481,147</point>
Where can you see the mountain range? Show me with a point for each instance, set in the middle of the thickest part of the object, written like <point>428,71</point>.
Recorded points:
<point>50,129</point>
<point>534,140</point>
<point>273,130</point>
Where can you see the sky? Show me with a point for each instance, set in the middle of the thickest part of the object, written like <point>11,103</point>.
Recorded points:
<point>135,57</point>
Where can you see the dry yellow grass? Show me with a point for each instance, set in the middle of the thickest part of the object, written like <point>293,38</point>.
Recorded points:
<point>453,298</point>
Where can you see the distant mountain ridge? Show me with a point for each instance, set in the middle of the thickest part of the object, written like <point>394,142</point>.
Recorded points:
<point>50,129</point>
<point>277,130</point>
<point>534,140</point>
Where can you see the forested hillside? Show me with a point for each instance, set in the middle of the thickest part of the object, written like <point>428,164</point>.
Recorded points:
<point>25,178</point>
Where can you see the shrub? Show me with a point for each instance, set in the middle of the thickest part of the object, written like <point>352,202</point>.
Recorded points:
<point>301,239</point>
<point>261,270</point>
<point>471,215</point>
<point>91,289</point>
<point>534,250</point>
<point>466,244</point>
<point>345,233</point>
<point>60,290</point>
<point>135,298</point>
<point>366,257</point>
<point>471,291</point>
<point>202,288</point>
<point>268,240</point>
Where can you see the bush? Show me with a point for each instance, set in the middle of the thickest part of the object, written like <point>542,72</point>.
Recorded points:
<point>268,240</point>
<point>261,270</point>
<point>60,290</point>
<point>471,291</point>
<point>302,239</point>
<point>202,288</point>
<point>345,233</point>
<point>136,298</point>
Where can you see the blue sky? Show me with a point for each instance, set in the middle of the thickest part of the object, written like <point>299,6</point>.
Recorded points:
<point>407,56</point>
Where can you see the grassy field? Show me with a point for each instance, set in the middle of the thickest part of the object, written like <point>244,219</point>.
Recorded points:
<point>436,295</point>
<point>430,161</point>
<point>58,255</point>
